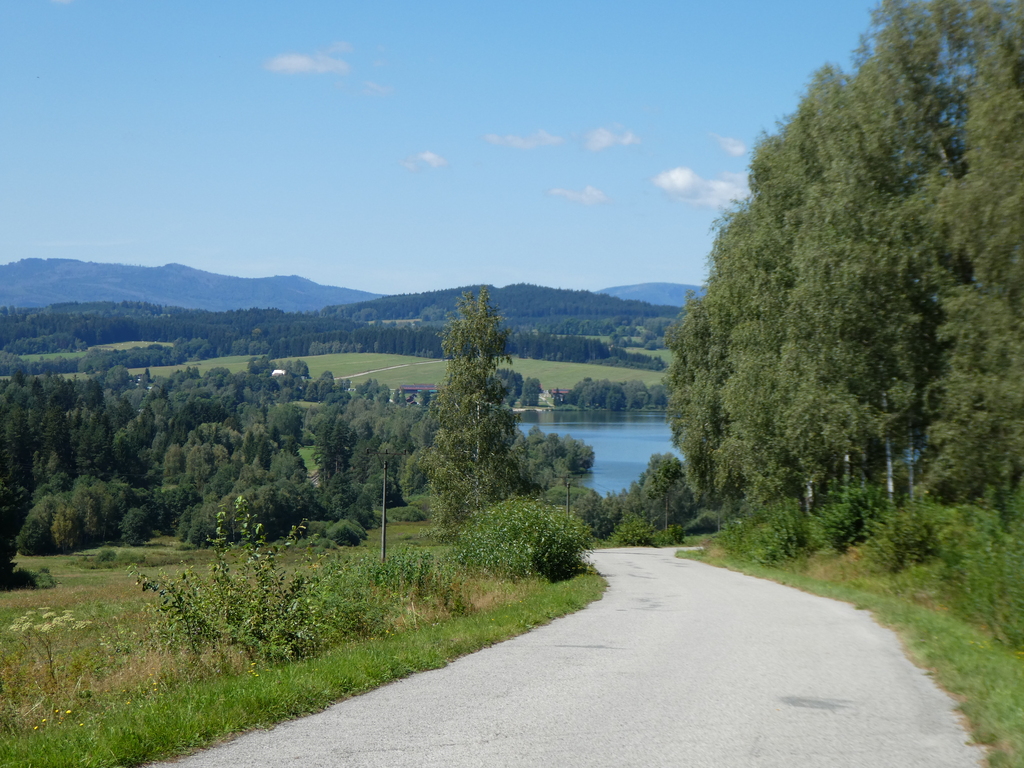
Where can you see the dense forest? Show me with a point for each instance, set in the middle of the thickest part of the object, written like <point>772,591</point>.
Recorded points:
<point>181,336</point>
<point>523,307</point>
<point>864,316</point>
<point>120,458</point>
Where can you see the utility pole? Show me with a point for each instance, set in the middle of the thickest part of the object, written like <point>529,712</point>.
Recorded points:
<point>567,479</point>
<point>384,499</point>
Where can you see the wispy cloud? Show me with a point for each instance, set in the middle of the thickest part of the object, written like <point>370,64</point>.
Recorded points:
<point>733,147</point>
<point>539,139</point>
<point>587,196</point>
<point>429,159</point>
<point>685,185</point>
<point>375,89</point>
<point>62,2</point>
<point>602,138</point>
<point>321,62</point>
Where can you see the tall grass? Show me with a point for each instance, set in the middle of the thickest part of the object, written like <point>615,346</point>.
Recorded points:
<point>97,673</point>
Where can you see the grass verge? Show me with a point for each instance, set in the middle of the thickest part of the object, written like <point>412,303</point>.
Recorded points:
<point>986,678</point>
<point>183,717</point>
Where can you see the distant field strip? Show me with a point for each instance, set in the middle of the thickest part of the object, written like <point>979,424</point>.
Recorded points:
<point>393,370</point>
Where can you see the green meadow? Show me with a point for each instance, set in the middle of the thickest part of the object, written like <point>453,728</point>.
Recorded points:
<point>394,370</point>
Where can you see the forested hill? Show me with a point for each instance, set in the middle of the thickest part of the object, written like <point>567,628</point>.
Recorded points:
<point>42,282</point>
<point>521,305</point>
<point>183,335</point>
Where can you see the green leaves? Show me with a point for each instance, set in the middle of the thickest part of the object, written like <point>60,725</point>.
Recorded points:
<point>473,462</point>
<point>865,302</point>
<point>521,538</point>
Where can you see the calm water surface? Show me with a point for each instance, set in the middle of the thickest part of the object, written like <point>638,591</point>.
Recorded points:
<point>623,441</point>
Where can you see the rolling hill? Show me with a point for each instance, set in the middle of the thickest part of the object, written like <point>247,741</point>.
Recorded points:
<point>42,282</point>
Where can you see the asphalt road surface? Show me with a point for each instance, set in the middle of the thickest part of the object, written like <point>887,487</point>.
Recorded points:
<point>680,664</point>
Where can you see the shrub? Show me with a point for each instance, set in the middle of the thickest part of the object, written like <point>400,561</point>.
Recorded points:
<point>633,531</point>
<point>851,514</point>
<point>346,533</point>
<point>983,570</point>
<point>406,515</point>
<point>22,578</point>
<point>771,535</point>
<point>248,600</point>
<point>522,537</point>
<point>904,537</point>
<point>671,536</point>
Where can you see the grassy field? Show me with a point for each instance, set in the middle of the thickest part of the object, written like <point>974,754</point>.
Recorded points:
<point>106,692</point>
<point>234,363</point>
<point>394,370</point>
<point>986,677</point>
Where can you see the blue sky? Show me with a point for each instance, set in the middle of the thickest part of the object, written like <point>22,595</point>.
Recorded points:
<point>396,147</point>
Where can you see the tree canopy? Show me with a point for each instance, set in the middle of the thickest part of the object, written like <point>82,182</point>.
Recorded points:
<point>863,317</point>
<point>473,462</point>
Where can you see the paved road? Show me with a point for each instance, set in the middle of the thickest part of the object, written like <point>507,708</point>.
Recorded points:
<point>680,664</point>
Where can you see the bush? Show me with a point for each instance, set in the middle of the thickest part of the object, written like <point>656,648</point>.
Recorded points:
<point>904,537</point>
<point>769,536</point>
<point>522,537</point>
<point>670,537</point>
<point>248,600</point>
<point>633,531</point>
<point>851,515</point>
<point>346,533</point>
<point>983,570</point>
<point>22,578</point>
<point>406,515</point>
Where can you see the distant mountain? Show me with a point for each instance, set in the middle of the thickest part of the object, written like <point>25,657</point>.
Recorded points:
<point>41,282</point>
<point>520,305</point>
<point>673,294</point>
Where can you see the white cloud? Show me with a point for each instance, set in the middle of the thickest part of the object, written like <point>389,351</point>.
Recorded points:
<point>686,186</point>
<point>319,63</point>
<point>602,138</point>
<point>416,162</point>
<point>588,196</point>
<point>62,2</point>
<point>375,89</point>
<point>732,147</point>
<point>539,139</point>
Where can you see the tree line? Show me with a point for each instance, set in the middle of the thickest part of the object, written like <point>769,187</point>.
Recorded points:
<point>119,458</point>
<point>865,305</point>
<point>189,335</point>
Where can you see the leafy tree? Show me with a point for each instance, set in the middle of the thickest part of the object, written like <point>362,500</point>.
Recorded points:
<point>664,479</point>
<point>472,463</point>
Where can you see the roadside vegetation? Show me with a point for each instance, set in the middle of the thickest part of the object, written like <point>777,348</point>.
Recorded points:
<point>112,686</point>
<point>274,601</point>
<point>848,393</point>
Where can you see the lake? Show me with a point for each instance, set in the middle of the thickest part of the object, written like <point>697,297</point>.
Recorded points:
<point>623,441</point>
